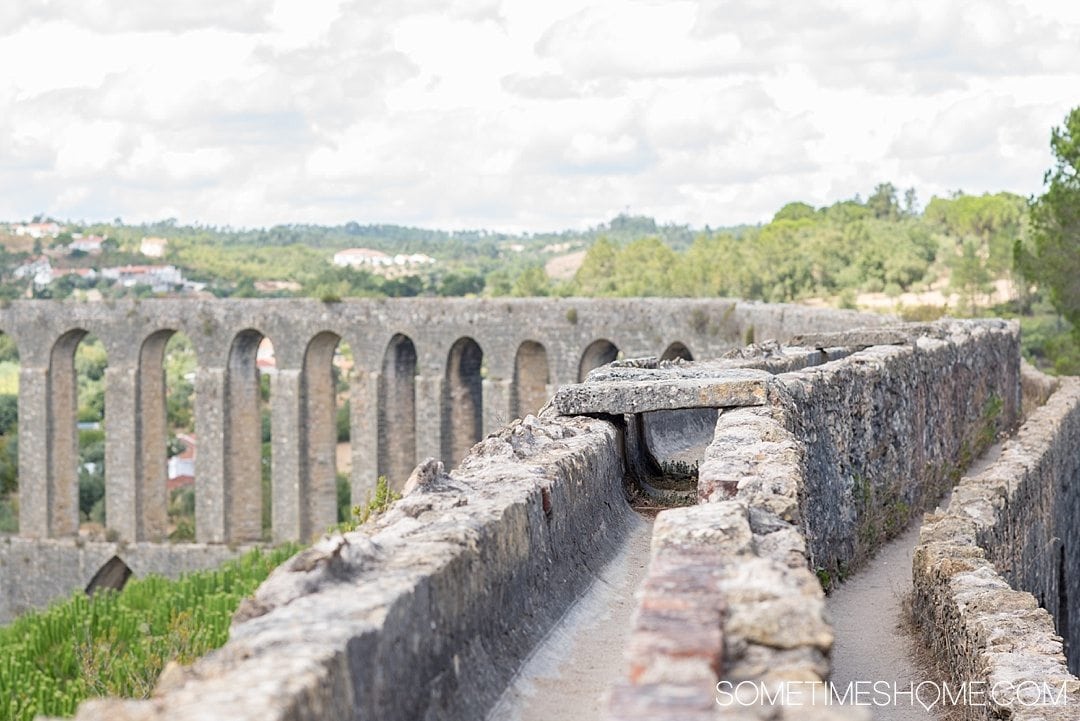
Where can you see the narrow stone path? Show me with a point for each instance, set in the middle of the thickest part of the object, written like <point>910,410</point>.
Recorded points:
<point>568,675</point>
<point>866,612</point>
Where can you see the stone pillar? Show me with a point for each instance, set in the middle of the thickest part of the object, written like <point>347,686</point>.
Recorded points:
<point>429,430</point>
<point>364,434</point>
<point>286,481</point>
<point>63,441</point>
<point>210,458</point>
<point>33,452</point>
<point>243,446</point>
<point>122,448</point>
<point>496,399</point>
<point>151,437</point>
<point>319,434</point>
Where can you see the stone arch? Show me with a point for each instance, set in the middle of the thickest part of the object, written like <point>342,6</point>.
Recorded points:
<point>318,436</point>
<point>397,411</point>
<point>531,378</point>
<point>63,457</point>
<point>242,415</point>
<point>463,395</point>
<point>677,350</point>
<point>600,352</point>
<point>151,436</point>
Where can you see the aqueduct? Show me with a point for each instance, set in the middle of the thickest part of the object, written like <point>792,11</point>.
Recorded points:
<point>430,378</point>
<point>812,454</point>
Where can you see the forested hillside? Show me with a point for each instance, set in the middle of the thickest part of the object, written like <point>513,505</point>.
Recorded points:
<point>961,255</point>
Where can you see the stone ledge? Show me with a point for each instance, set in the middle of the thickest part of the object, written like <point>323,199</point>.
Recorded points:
<point>733,388</point>
<point>970,615</point>
<point>858,338</point>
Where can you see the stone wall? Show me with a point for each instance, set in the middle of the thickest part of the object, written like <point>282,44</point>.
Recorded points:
<point>729,596</point>
<point>427,612</point>
<point>996,572</point>
<point>35,572</point>
<point>887,430</point>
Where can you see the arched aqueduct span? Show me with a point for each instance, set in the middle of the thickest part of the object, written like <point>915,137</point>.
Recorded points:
<point>431,377</point>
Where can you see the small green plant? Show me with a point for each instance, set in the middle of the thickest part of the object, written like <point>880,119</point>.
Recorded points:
<point>990,414</point>
<point>571,316</point>
<point>330,297</point>
<point>379,501</point>
<point>748,337</point>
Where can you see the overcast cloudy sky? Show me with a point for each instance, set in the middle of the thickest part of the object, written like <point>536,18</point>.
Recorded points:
<point>519,114</point>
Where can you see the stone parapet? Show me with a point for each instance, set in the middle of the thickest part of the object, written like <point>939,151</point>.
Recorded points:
<point>992,574</point>
<point>427,612</point>
<point>887,429</point>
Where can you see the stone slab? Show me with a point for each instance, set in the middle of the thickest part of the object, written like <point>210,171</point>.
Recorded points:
<point>734,388</point>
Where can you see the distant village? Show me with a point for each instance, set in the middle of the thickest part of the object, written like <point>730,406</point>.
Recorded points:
<point>59,261</point>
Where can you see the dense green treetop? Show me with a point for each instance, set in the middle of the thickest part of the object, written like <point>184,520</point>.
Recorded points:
<point>1055,217</point>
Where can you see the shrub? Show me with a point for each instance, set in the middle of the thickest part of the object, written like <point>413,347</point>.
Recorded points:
<point>116,644</point>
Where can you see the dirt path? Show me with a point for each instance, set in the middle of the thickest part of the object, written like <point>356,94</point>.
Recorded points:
<point>569,673</point>
<point>871,645</point>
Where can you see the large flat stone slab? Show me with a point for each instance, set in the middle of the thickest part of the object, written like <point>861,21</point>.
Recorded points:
<point>732,388</point>
<point>856,338</point>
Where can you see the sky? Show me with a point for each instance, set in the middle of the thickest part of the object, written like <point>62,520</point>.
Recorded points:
<point>519,115</point>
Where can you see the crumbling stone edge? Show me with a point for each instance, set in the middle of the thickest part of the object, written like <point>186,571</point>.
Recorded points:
<point>995,530</point>
<point>427,612</point>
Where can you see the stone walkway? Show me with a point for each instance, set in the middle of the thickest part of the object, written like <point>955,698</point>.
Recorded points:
<point>568,675</point>
<point>871,643</point>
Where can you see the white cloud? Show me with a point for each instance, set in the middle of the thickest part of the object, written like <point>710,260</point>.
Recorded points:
<point>514,114</point>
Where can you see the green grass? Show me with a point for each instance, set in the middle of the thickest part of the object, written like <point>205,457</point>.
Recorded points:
<point>116,644</point>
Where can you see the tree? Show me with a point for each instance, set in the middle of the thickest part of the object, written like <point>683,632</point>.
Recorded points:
<point>1055,220</point>
<point>532,282</point>
<point>911,203</point>
<point>883,202</point>
<point>970,276</point>
<point>795,211</point>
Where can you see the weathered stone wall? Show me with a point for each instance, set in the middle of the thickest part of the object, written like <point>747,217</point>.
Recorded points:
<point>887,429</point>
<point>427,613</point>
<point>729,596</point>
<point>996,571</point>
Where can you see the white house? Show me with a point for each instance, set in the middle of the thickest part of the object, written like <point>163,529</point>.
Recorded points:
<point>40,269</point>
<point>160,278</point>
<point>38,230</point>
<point>89,244</point>
<point>153,247</point>
<point>413,259</point>
<point>359,257</point>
